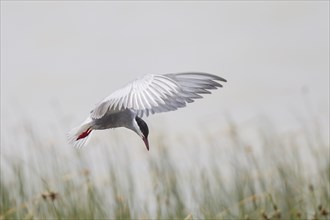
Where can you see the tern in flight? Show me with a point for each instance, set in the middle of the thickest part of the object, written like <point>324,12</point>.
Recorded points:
<point>144,96</point>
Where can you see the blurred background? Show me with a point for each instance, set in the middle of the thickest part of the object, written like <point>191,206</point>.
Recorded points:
<point>58,59</point>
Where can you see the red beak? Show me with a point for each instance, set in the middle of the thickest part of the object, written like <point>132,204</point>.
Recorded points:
<point>146,142</point>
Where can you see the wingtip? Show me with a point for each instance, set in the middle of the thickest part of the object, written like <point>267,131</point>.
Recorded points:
<point>220,78</point>
<point>205,74</point>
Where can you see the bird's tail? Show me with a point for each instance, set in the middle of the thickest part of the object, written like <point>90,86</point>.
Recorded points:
<point>79,136</point>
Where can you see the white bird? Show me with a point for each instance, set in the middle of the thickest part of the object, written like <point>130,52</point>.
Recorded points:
<point>144,96</point>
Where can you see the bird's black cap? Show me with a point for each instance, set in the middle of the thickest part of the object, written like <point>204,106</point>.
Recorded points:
<point>144,129</point>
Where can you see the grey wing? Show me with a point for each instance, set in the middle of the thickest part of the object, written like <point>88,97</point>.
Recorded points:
<point>158,93</point>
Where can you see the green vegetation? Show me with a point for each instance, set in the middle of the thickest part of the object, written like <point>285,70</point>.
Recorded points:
<point>216,175</point>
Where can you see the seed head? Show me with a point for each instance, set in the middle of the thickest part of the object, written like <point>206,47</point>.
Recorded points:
<point>311,187</point>
<point>44,196</point>
<point>50,195</point>
<point>324,212</point>
<point>264,215</point>
<point>275,207</point>
<point>53,195</point>
<point>277,214</point>
<point>298,215</point>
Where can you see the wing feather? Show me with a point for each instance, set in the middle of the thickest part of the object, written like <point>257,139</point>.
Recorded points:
<point>158,93</point>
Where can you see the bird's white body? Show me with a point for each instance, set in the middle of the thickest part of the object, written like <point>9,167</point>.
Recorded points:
<point>147,95</point>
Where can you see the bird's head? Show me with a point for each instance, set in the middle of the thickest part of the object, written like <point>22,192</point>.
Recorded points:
<point>144,130</point>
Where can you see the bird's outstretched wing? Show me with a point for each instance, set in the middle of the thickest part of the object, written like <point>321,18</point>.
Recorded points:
<point>158,93</point>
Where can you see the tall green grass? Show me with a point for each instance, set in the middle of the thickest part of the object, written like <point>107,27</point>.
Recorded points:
<point>213,175</point>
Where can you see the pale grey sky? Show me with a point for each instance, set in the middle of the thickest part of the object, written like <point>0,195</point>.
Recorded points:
<point>75,53</point>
